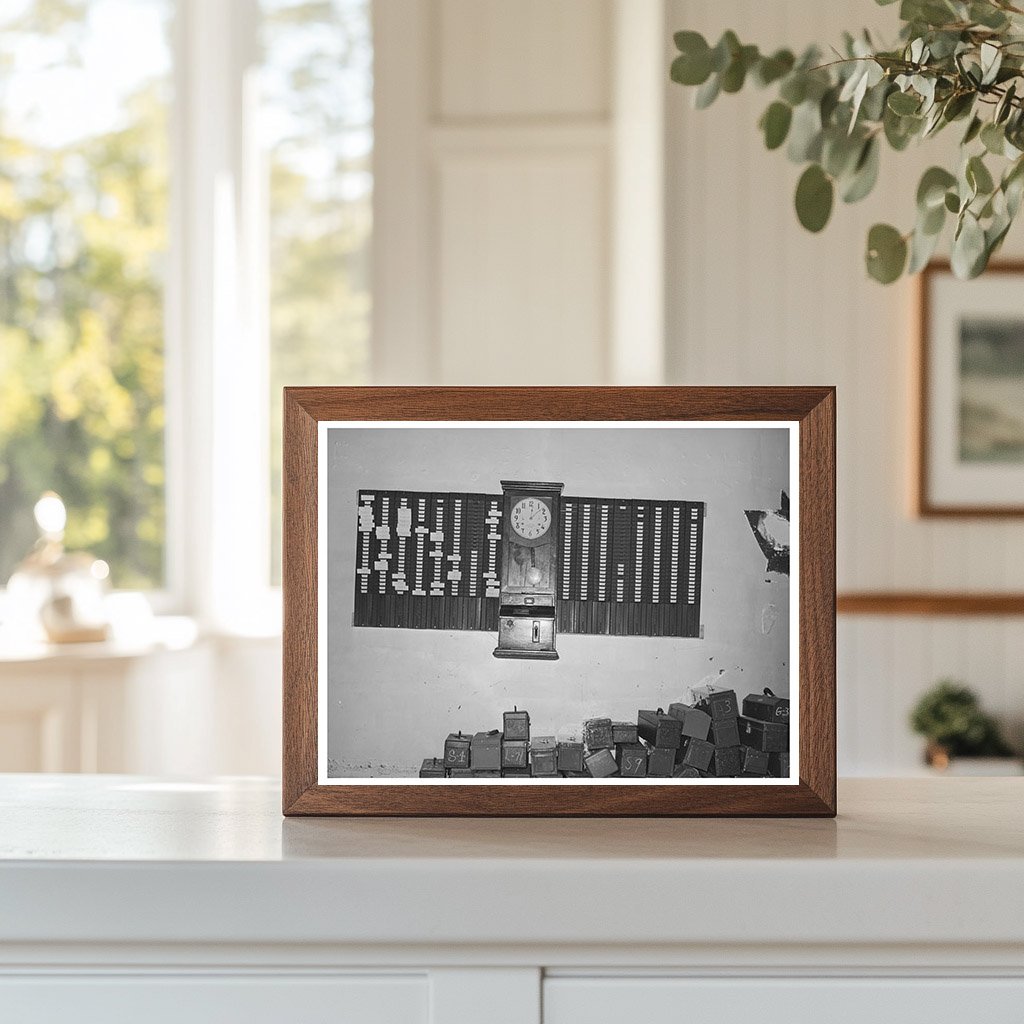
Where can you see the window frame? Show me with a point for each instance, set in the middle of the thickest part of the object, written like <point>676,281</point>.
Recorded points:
<point>217,351</point>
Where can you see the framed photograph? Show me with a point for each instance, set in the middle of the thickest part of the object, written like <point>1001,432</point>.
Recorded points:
<point>559,601</point>
<point>970,450</point>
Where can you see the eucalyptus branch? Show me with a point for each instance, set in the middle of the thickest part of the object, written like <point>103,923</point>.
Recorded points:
<point>953,58</point>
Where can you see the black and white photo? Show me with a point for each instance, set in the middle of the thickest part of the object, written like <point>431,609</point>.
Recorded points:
<point>571,603</point>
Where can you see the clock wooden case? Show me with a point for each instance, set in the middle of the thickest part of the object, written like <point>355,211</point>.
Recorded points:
<point>529,570</point>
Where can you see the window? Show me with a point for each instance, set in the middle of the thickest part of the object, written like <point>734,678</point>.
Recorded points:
<point>83,235</point>
<point>145,182</point>
<point>317,119</point>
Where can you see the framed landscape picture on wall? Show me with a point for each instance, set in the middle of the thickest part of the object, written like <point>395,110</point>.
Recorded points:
<point>511,601</point>
<point>970,450</point>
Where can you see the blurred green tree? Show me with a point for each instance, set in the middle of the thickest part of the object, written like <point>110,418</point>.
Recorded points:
<point>83,238</point>
<point>82,233</point>
<point>318,108</point>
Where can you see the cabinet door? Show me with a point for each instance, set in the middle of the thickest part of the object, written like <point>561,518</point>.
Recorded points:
<point>42,720</point>
<point>205,999</point>
<point>786,1001</point>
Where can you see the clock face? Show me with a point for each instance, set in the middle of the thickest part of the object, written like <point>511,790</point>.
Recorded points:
<point>531,518</point>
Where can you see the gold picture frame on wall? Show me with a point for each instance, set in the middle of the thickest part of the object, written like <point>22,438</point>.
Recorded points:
<point>970,385</point>
<point>429,609</point>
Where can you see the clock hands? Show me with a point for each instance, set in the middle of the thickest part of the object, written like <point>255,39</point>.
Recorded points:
<point>532,519</point>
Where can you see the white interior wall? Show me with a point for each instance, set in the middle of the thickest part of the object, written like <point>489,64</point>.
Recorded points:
<point>499,182</point>
<point>754,299</point>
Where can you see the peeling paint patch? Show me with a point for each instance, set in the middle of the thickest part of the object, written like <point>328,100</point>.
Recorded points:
<point>769,616</point>
<point>771,531</point>
<point>712,680</point>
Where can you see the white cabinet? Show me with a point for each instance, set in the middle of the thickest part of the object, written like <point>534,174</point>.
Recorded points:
<point>205,999</point>
<point>126,899</point>
<point>174,705</point>
<point>828,1000</point>
<point>99,707</point>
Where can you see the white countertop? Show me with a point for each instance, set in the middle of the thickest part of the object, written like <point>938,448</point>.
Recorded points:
<point>120,859</point>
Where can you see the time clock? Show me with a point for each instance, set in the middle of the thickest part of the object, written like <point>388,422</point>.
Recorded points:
<point>529,570</point>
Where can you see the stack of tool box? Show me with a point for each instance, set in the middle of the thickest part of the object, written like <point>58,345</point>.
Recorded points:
<point>711,736</point>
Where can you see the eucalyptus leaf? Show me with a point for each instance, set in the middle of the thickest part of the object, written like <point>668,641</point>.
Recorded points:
<point>865,173</point>
<point>931,190</point>
<point>840,152</point>
<point>735,74</point>
<point>867,74</point>
<point>925,87</point>
<point>827,106</point>
<point>688,41</point>
<point>816,83</point>
<point>991,60</point>
<point>771,69</point>
<point>775,124</point>
<point>873,106</point>
<point>1013,186</point>
<point>973,130</point>
<point>886,253</point>
<point>968,248</point>
<point>922,247</point>
<point>987,15</point>
<point>682,71</point>
<point>1005,104</point>
<point>707,93</point>
<point>970,71</point>
<point>944,44</point>
<point>805,133</point>
<point>978,176</point>
<point>900,130</point>
<point>958,105</point>
<point>794,88</point>
<point>1014,191</point>
<point>904,103</point>
<point>724,51</point>
<point>933,122</point>
<point>814,195</point>
<point>931,221</point>
<point>993,138</point>
<point>995,233</point>
<point>929,12</point>
<point>966,187</point>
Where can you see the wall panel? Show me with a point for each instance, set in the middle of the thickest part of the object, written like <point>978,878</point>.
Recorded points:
<point>522,283</point>
<point>530,58</point>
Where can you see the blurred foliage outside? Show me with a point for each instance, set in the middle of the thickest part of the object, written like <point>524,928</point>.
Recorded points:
<point>82,234</point>
<point>318,120</point>
<point>83,238</point>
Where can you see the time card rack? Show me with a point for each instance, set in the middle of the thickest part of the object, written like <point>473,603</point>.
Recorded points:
<point>433,560</point>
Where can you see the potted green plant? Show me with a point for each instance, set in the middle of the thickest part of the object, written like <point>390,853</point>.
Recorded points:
<point>952,721</point>
<point>956,62</point>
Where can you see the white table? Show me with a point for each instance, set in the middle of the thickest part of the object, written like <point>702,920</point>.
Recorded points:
<point>124,898</point>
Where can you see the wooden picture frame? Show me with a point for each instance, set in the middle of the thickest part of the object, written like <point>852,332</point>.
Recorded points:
<point>940,485</point>
<point>809,415</point>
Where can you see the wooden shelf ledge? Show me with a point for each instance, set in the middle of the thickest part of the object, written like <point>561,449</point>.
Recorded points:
<point>928,603</point>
